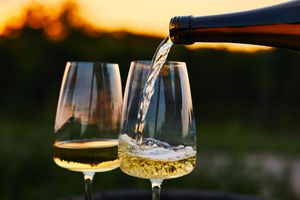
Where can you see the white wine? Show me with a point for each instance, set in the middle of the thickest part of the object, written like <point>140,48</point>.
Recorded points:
<point>87,155</point>
<point>156,159</point>
<point>157,62</point>
<point>142,167</point>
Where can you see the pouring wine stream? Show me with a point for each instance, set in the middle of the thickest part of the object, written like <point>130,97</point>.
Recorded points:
<point>157,62</point>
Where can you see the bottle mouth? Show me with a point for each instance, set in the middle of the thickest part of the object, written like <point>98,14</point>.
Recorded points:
<point>180,30</point>
<point>180,22</point>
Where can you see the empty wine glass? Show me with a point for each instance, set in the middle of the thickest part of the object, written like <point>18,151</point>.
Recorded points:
<point>163,144</point>
<point>88,119</point>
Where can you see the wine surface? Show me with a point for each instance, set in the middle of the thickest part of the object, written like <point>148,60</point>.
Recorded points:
<point>87,155</point>
<point>155,159</point>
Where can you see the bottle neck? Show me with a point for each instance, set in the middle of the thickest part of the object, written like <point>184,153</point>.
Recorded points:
<point>277,26</point>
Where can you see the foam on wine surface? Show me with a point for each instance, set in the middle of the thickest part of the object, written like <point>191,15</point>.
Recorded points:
<point>155,159</point>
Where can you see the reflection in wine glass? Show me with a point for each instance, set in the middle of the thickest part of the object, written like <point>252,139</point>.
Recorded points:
<point>88,119</point>
<point>168,144</point>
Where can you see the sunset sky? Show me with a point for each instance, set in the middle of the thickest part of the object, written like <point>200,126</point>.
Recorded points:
<point>138,16</point>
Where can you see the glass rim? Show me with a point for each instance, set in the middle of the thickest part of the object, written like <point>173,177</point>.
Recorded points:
<point>91,62</point>
<point>148,62</point>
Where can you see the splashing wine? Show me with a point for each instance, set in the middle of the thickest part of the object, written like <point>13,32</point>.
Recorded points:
<point>150,158</point>
<point>156,159</point>
<point>158,61</point>
<point>163,145</point>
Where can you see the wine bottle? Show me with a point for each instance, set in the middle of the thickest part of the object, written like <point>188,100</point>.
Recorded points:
<point>277,26</point>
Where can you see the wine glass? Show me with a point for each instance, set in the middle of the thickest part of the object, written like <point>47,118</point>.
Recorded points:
<point>88,119</point>
<point>163,144</point>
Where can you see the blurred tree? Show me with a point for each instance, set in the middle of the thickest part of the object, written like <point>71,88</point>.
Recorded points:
<point>260,87</point>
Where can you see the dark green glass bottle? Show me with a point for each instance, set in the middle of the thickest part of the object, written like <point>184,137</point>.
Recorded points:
<point>277,26</point>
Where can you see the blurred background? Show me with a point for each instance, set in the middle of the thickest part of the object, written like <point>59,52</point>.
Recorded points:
<point>246,98</point>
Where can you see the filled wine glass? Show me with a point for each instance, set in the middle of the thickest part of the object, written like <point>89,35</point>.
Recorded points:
<point>157,141</point>
<point>88,119</point>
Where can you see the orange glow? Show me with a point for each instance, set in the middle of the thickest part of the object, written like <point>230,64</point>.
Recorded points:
<point>56,31</point>
<point>230,47</point>
<point>136,16</point>
<point>152,17</point>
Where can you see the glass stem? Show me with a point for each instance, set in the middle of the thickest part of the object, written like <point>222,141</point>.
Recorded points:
<point>88,180</point>
<point>156,187</point>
